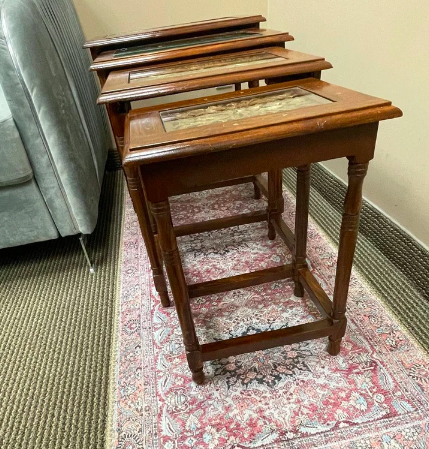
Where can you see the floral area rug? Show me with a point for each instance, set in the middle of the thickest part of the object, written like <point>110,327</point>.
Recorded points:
<point>373,395</point>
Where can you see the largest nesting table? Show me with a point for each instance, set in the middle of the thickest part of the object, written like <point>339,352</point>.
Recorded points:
<point>182,145</point>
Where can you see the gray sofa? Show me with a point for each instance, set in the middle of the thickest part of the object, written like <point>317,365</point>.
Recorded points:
<point>53,137</point>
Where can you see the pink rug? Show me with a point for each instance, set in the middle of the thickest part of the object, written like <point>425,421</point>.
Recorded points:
<point>373,395</point>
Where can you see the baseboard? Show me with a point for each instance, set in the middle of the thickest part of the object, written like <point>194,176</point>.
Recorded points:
<point>393,263</point>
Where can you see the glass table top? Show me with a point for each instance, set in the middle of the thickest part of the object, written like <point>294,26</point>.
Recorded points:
<point>201,67</point>
<point>180,43</point>
<point>236,109</point>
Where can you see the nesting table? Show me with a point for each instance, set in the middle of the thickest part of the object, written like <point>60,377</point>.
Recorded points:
<point>273,64</point>
<point>176,43</point>
<point>188,47</point>
<point>160,34</point>
<point>220,37</point>
<point>239,134</point>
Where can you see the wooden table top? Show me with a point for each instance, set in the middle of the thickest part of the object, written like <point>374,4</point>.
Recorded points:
<point>201,73</point>
<point>243,118</point>
<point>189,47</point>
<point>203,26</point>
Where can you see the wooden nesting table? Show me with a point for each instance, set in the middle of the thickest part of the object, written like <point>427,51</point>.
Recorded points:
<point>180,146</point>
<point>183,30</point>
<point>177,43</point>
<point>274,64</point>
<point>150,53</point>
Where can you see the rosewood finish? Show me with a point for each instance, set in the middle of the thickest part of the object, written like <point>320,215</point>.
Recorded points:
<point>164,33</point>
<point>301,122</point>
<point>119,89</point>
<point>191,47</point>
<point>202,73</point>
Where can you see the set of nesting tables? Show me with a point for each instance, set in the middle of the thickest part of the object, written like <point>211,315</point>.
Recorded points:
<point>294,120</point>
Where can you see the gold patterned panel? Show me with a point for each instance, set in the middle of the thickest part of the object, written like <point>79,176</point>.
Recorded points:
<point>202,67</point>
<point>250,106</point>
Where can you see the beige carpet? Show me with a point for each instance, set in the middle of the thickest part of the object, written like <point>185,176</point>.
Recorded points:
<point>57,323</point>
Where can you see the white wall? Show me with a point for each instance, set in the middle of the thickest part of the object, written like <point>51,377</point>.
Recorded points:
<point>381,48</point>
<point>376,46</point>
<point>101,17</point>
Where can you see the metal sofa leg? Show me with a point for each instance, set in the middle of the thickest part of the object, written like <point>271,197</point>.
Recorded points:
<point>82,239</point>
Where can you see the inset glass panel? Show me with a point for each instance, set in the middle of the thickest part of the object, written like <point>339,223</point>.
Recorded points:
<point>202,67</point>
<point>241,108</point>
<point>180,43</point>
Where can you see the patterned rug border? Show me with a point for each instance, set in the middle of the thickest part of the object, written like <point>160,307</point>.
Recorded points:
<point>114,367</point>
<point>386,305</point>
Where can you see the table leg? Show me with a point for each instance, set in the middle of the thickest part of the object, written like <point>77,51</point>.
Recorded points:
<point>348,237</point>
<point>152,223</point>
<point>173,264</point>
<point>140,206</point>
<point>257,191</point>
<point>117,113</point>
<point>275,201</point>
<point>301,225</point>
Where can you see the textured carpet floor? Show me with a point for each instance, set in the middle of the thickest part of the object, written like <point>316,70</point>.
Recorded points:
<point>56,335</point>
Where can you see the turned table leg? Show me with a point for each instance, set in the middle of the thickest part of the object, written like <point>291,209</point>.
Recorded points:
<point>152,221</point>
<point>173,264</point>
<point>348,237</point>
<point>275,200</point>
<point>301,225</point>
<point>140,206</point>
<point>154,228</point>
<point>117,113</point>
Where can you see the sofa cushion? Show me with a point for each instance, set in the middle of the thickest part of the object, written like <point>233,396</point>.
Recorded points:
<point>24,217</point>
<point>14,165</point>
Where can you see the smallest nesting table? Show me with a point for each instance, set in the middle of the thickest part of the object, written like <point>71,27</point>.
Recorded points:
<point>160,34</point>
<point>180,146</point>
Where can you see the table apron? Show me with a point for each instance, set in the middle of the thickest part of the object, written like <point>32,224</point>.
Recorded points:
<point>178,176</point>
